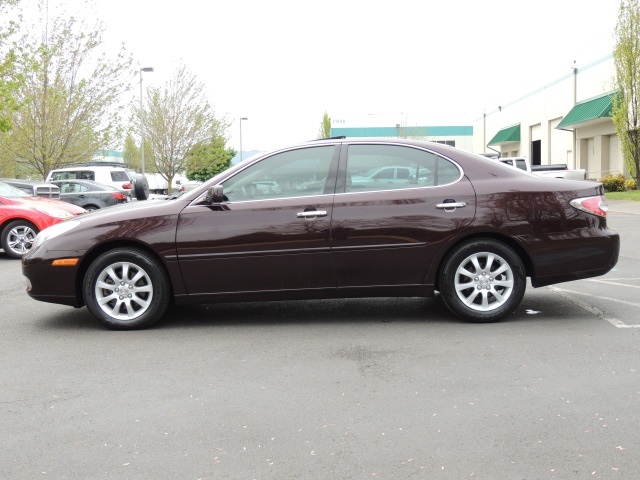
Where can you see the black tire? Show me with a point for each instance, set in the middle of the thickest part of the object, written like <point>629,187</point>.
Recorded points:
<point>120,304</point>
<point>91,208</point>
<point>482,280</point>
<point>18,237</point>
<point>141,187</point>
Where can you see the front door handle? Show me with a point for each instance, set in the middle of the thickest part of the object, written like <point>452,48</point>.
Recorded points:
<point>451,206</point>
<point>312,214</point>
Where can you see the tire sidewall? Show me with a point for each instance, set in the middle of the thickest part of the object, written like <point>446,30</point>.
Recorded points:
<point>156,273</point>
<point>453,261</point>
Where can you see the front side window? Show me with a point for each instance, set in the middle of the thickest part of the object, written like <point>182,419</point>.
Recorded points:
<point>388,167</point>
<point>295,173</point>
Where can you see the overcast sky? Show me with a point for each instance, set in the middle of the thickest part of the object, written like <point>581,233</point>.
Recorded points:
<point>284,63</point>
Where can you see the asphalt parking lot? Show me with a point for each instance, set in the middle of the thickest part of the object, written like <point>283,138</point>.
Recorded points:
<point>371,388</point>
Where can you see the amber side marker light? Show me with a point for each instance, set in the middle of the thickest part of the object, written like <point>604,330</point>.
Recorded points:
<point>65,262</point>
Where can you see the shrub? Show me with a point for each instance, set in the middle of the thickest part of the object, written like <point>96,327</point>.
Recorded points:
<point>630,184</point>
<point>613,183</point>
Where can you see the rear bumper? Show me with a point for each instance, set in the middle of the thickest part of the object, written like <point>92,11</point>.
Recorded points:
<point>589,257</point>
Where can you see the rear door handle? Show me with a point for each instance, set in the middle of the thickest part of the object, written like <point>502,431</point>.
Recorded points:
<point>312,214</point>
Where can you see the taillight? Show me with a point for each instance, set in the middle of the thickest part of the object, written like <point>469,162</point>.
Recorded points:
<point>594,205</point>
<point>121,197</point>
<point>127,186</point>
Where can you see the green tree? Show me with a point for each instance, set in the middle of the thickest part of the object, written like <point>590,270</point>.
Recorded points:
<point>205,160</point>
<point>178,118</point>
<point>626,105</point>
<point>70,98</point>
<point>10,79</point>
<point>131,153</point>
<point>325,126</point>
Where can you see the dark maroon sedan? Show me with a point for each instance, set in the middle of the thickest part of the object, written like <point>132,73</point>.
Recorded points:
<point>332,218</point>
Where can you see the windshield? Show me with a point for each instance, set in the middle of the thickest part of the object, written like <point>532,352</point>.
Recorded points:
<point>11,192</point>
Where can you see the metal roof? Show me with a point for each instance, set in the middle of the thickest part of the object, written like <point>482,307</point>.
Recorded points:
<point>506,135</point>
<point>588,111</point>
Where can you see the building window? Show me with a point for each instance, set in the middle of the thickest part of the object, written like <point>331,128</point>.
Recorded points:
<point>451,143</point>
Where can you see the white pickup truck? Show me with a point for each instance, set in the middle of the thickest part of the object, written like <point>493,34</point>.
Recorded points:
<point>556,170</point>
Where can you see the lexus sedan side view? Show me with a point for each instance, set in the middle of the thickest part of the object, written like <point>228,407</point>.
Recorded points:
<point>466,226</point>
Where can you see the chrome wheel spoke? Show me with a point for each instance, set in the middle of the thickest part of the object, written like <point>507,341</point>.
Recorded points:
<point>20,239</point>
<point>484,281</point>
<point>123,290</point>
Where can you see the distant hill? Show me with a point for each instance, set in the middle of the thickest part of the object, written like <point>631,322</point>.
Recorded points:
<point>245,155</point>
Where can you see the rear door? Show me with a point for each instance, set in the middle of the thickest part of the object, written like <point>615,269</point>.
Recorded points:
<point>272,232</point>
<point>386,235</point>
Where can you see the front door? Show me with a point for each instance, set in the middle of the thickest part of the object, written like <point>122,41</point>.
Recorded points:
<point>270,234</point>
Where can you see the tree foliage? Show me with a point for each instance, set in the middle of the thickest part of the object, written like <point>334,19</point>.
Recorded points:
<point>69,99</point>
<point>626,105</point>
<point>10,79</point>
<point>179,120</point>
<point>325,126</point>
<point>205,160</point>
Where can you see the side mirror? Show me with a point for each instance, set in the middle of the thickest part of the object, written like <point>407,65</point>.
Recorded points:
<point>215,194</point>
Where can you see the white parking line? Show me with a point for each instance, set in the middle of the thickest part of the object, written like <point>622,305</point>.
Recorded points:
<point>597,312</point>
<point>611,282</point>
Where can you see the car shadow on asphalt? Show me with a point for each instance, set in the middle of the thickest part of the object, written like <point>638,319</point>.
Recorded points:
<point>362,310</point>
<point>369,310</point>
<point>541,306</point>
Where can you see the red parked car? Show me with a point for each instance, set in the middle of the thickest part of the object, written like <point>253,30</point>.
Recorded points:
<point>298,223</point>
<point>23,216</point>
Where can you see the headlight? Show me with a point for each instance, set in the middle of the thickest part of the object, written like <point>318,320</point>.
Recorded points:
<point>54,231</point>
<point>54,212</point>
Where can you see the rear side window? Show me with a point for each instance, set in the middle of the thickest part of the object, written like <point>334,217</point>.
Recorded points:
<point>372,167</point>
<point>119,176</point>
<point>65,175</point>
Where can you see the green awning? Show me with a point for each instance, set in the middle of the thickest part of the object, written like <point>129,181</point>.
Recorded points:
<point>588,111</point>
<point>506,135</point>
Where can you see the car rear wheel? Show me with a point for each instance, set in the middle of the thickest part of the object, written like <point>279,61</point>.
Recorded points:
<point>18,237</point>
<point>482,280</point>
<point>126,288</point>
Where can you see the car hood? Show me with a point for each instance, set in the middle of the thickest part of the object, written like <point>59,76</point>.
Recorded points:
<point>133,211</point>
<point>40,202</point>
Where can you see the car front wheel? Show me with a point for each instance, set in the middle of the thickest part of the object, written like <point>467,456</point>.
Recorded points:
<point>126,288</point>
<point>482,280</point>
<point>17,238</point>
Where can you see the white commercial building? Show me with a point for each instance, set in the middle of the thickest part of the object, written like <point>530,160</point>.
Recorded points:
<point>567,121</point>
<point>399,126</point>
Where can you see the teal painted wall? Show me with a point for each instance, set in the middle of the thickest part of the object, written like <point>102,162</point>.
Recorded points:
<point>443,131</point>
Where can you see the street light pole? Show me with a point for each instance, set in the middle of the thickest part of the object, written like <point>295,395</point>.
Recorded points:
<point>243,118</point>
<point>144,69</point>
